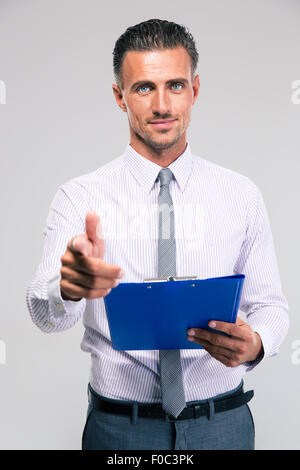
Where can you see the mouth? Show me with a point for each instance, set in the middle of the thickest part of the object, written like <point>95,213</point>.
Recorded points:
<point>162,124</point>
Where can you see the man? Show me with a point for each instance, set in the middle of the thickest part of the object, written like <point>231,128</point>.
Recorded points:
<point>188,399</point>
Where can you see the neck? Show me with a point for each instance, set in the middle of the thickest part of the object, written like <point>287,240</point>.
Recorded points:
<point>163,157</point>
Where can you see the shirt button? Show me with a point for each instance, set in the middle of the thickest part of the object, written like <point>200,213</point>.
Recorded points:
<point>50,324</point>
<point>59,306</point>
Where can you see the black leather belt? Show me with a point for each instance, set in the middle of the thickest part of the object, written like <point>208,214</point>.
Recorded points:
<point>231,401</point>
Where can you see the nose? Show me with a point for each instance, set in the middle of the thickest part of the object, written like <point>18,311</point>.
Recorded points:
<point>161,103</point>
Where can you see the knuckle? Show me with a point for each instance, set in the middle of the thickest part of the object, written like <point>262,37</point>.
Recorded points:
<point>248,337</point>
<point>63,284</point>
<point>65,271</point>
<point>211,349</point>
<point>218,340</point>
<point>64,259</point>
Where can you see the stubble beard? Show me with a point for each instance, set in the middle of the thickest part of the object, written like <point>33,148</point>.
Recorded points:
<point>158,144</point>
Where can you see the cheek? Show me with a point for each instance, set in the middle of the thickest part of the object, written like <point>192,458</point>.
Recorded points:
<point>185,116</point>
<point>188,113</point>
<point>184,109</point>
<point>188,116</point>
<point>137,113</point>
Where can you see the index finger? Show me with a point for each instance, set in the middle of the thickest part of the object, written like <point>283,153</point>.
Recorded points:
<point>232,329</point>
<point>94,266</point>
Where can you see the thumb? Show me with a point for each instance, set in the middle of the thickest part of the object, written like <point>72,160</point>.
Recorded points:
<point>93,227</point>
<point>240,322</point>
<point>93,230</point>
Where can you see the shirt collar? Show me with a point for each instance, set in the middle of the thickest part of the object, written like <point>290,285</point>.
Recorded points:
<point>146,172</point>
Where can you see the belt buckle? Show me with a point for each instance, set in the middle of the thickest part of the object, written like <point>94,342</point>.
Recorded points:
<point>171,418</point>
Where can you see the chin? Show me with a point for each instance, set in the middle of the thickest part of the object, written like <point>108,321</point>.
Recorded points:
<point>161,141</point>
<point>163,144</point>
<point>160,145</point>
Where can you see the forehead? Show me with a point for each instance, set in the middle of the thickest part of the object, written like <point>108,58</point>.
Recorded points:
<point>156,65</point>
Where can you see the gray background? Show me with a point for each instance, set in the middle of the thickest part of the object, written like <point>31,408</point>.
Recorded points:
<point>60,120</point>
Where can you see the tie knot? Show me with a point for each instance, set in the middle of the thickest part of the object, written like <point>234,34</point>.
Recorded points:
<point>165,175</point>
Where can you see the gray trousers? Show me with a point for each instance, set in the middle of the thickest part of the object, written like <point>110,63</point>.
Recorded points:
<point>228,430</point>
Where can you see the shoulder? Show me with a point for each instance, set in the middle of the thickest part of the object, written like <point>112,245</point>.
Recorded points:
<point>102,176</point>
<point>219,176</point>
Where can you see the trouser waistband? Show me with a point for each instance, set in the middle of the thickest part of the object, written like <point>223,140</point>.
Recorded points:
<point>195,410</point>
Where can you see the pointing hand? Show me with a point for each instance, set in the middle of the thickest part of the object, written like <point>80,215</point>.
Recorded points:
<point>84,274</point>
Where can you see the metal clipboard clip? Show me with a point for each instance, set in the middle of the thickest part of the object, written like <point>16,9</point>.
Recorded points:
<point>170,278</point>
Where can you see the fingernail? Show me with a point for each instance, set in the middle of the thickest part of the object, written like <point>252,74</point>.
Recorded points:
<point>191,332</point>
<point>94,213</point>
<point>212,324</point>
<point>122,274</point>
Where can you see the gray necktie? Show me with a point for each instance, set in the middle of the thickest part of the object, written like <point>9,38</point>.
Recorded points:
<point>173,400</point>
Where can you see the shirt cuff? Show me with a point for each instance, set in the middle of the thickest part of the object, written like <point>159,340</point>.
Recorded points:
<point>57,305</point>
<point>266,341</point>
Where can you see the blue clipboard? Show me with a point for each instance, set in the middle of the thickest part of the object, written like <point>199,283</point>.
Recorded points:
<point>156,313</point>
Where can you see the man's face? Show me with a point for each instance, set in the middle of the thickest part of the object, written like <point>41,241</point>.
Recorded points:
<point>158,93</point>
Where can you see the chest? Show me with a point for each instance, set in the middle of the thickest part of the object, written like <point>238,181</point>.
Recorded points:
<point>209,232</point>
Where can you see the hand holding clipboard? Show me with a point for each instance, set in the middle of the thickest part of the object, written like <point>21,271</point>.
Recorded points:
<point>157,313</point>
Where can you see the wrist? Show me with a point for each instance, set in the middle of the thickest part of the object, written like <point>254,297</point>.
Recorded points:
<point>259,350</point>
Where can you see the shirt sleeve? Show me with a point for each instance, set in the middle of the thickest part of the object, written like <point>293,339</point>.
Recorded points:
<point>47,308</point>
<point>262,298</point>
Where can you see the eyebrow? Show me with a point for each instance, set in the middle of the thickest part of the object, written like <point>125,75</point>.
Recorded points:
<point>148,82</point>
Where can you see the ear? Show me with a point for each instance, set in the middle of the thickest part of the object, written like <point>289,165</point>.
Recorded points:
<point>119,97</point>
<point>196,88</point>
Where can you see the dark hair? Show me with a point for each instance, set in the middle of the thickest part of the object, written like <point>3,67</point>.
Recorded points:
<point>153,34</point>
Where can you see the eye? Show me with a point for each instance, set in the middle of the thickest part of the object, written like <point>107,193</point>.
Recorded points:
<point>143,88</point>
<point>176,84</point>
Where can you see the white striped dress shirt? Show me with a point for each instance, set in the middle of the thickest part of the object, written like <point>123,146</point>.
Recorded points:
<point>221,228</point>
